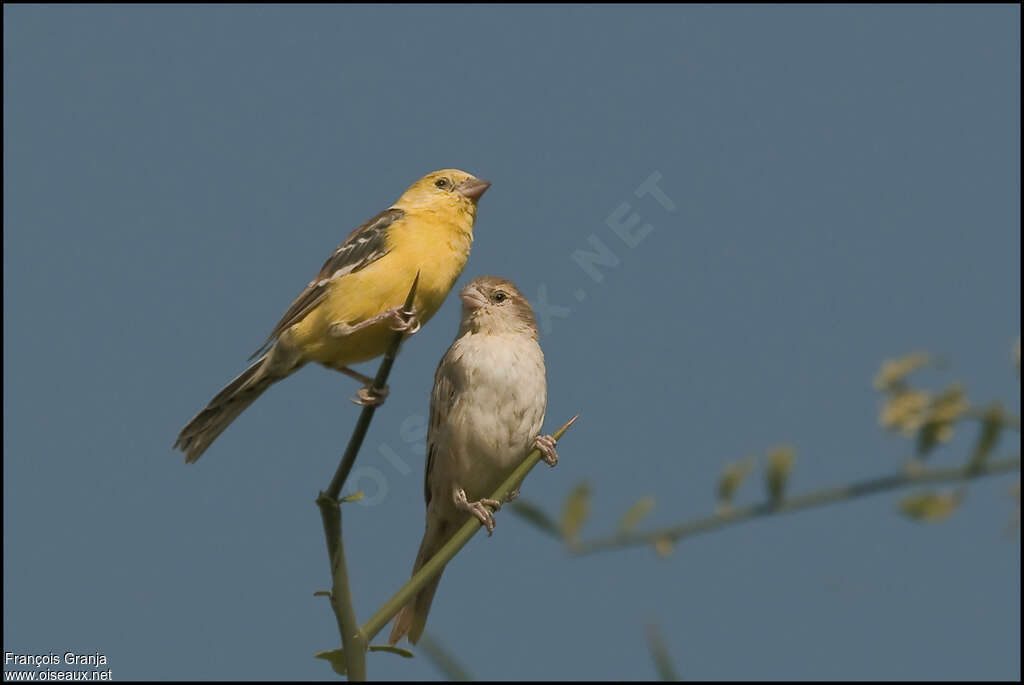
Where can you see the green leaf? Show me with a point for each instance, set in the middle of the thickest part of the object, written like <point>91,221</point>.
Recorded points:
<point>780,464</point>
<point>575,511</point>
<point>894,372</point>
<point>336,657</point>
<point>636,513</point>
<point>944,411</point>
<point>392,649</point>
<point>534,515</point>
<point>905,411</point>
<point>930,436</point>
<point>929,506</point>
<point>354,497</point>
<point>663,546</point>
<point>993,420</point>
<point>732,478</point>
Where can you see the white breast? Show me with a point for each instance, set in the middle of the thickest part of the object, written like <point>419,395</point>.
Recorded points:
<point>501,395</point>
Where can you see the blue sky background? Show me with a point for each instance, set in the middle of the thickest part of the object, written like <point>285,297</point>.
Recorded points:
<point>846,188</point>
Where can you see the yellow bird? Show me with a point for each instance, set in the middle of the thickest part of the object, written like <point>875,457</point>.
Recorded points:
<point>347,313</point>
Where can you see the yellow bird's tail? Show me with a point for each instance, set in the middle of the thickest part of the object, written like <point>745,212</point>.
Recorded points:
<point>199,433</point>
<point>412,619</point>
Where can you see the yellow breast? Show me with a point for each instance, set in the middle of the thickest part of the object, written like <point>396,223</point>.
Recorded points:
<point>438,249</point>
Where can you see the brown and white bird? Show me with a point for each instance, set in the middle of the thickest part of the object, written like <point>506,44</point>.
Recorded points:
<point>486,411</point>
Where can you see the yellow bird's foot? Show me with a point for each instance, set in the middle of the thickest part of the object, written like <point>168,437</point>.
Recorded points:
<point>546,445</point>
<point>401,320</point>
<point>366,396</point>
<point>397,318</point>
<point>370,397</point>
<point>478,509</point>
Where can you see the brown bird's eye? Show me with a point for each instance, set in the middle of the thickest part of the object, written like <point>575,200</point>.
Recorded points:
<point>442,183</point>
<point>500,296</point>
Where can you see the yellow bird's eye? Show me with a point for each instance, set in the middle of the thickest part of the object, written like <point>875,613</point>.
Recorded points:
<point>443,183</point>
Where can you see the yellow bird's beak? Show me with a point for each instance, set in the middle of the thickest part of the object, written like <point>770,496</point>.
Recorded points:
<point>474,188</point>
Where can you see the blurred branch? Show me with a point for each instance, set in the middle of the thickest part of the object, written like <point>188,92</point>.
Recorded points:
<point>659,652</point>
<point>1008,421</point>
<point>443,659</point>
<point>871,486</point>
<point>452,547</point>
<point>928,417</point>
<point>353,640</point>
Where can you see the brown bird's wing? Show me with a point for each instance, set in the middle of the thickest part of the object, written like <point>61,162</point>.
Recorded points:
<point>361,248</point>
<point>442,398</point>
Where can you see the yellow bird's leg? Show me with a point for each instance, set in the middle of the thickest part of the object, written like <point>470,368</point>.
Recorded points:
<point>396,315</point>
<point>478,509</point>
<point>365,380</point>
<point>401,320</point>
<point>366,396</point>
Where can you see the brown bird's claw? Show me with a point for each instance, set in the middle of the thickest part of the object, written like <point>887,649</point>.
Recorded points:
<point>546,445</point>
<point>512,495</point>
<point>370,397</point>
<point>401,320</point>
<point>478,509</point>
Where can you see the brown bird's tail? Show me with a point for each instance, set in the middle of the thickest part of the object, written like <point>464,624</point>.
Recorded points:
<point>413,617</point>
<point>231,401</point>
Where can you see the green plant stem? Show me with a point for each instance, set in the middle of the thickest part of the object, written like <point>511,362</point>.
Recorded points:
<point>363,424</point>
<point>353,640</point>
<point>797,503</point>
<point>451,548</point>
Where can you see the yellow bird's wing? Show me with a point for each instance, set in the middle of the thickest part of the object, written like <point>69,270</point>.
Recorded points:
<point>362,247</point>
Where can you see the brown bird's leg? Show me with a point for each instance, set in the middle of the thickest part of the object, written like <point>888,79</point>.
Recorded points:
<point>546,445</point>
<point>478,509</point>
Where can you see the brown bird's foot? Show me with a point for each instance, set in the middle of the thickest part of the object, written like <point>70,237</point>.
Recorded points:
<point>478,509</point>
<point>546,445</point>
<point>369,396</point>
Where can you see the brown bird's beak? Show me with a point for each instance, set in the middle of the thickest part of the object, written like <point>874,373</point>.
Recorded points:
<point>472,299</point>
<point>473,188</point>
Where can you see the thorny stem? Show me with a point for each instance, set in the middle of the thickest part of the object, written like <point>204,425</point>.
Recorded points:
<point>353,640</point>
<point>451,548</point>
